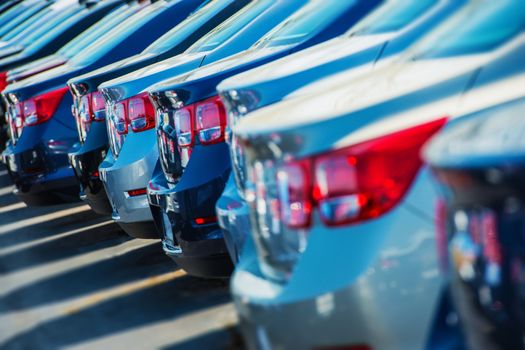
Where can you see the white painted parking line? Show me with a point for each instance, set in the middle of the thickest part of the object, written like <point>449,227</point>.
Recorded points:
<point>42,218</point>
<point>12,207</point>
<point>6,190</point>
<point>36,242</point>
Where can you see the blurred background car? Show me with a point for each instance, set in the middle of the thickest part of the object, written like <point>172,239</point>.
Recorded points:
<point>89,103</point>
<point>41,126</point>
<point>478,161</point>
<point>340,202</point>
<point>43,33</point>
<point>194,122</point>
<point>128,166</point>
<point>372,43</point>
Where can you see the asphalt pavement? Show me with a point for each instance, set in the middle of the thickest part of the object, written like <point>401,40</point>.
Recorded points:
<point>72,279</point>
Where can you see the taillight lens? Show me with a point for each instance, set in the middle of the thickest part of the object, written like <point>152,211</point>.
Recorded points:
<point>293,185</point>
<point>356,183</point>
<point>121,120</point>
<point>41,108</point>
<point>210,120</point>
<point>184,127</point>
<point>98,106</point>
<point>3,80</point>
<point>141,113</point>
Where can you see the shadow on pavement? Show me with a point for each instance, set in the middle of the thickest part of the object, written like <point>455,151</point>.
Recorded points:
<point>137,264</point>
<point>82,241</point>
<point>161,302</point>
<point>223,339</point>
<point>48,228</point>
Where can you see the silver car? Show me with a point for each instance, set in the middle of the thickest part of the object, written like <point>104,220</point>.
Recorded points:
<point>342,207</point>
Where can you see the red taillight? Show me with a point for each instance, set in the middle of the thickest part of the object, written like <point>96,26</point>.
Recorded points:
<point>184,127</point>
<point>3,80</point>
<point>137,192</point>
<point>141,113</point>
<point>206,119</point>
<point>98,106</point>
<point>293,185</point>
<point>137,112</point>
<point>356,183</point>
<point>41,108</point>
<point>121,120</point>
<point>205,220</point>
<point>441,222</point>
<point>210,120</point>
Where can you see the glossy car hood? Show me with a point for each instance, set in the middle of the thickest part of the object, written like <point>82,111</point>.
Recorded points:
<point>137,81</point>
<point>328,51</point>
<point>35,67</point>
<point>36,84</point>
<point>492,137</point>
<point>96,77</point>
<point>202,82</point>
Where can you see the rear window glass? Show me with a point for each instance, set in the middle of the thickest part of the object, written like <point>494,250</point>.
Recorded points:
<point>392,16</point>
<point>24,25</point>
<point>302,24</point>
<point>52,28</point>
<point>118,34</point>
<point>480,27</point>
<point>22,14</point>
<point>185,28</point>
<point>230,27</point>
<point>95,31</point>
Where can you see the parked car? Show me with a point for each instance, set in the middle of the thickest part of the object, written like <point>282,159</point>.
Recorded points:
<point>75,46</point>
<point>372,43</point>
<point>41,125</point>
<point>340,203</point>
<point>132,155</point>
<point>92,130</point>
<point>478,161</point>
<point>193,184</point>
<point>65,20</point>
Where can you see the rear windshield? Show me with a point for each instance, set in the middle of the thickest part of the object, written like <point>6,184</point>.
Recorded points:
<point>185,28</point>
<point>35,34</point>
<point>95,31</point>
<point>25,25</point>
<point>24,12</point>
<point>118,34</point>
<point>480,27</point>
<point>392,16</point>
<point>228,28</point>
<point>304,23</point>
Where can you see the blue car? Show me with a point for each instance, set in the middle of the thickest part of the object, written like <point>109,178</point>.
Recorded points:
<point>42,128</point>
<point>92,129</point>
<point>373,42</point>
<point>194,159</point>
<point>59,23</point>
<point>133,154</point>
<point>479,164</point>
<point>341,204</point>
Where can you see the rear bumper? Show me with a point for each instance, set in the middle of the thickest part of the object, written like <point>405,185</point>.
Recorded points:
<point>234,219</point>
<point>131,171</point>
<point>375,283</point>
<point>198,248</point>
<point>35,182</point>
<point>85,166</point>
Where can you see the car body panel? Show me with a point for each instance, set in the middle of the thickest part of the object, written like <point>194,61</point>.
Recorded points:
<point>482,212</point>
<point>407,94</point>
<point>259,18</point>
